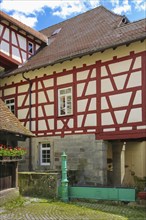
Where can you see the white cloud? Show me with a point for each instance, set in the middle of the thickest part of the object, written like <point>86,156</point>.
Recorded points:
<point>114,2</point>
<point>24,9</point>
<point>33,6</point>
<point>66,8</point>
<point>27,11</point>
<point>24,6</point>
<point>124,8</point>
<point>26,20</point>
<point>140,5</point>
<point>93,3</point>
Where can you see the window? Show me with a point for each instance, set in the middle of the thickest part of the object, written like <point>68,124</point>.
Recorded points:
<point>45,153</point>
<point>65,101</point>
<point>56,31</point>
<point>11,104</point>
<point>30,47</point>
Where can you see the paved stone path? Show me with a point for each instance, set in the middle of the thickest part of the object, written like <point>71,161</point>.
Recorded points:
<point>36,209</point>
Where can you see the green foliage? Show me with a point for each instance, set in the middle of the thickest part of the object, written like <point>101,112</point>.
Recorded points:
<point>10,151</point>
<point>42,185</point>
<point>140,183</point>
<point>34,208</point>
<point>130,212</point>
<point>18,202</point>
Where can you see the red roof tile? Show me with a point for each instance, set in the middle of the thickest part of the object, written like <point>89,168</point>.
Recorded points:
<point>9,123</point>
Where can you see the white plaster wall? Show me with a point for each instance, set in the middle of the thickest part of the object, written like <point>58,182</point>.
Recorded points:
<point>120,99</point>
<point>16,54</point>
<point>9,91</point>
<point>82,75</point>
<point>91,88</point>
<point>4,47</point>
<point>122,66</point>
<point>91,120</point>
<point>22,42</point>
<point>65,79</point>
<point>6,34</point>
<point>14,41</point>
<point>81,105</point>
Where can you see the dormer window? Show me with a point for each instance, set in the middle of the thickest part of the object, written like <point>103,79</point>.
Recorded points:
<point>56,31</point>
<point>30,48</point>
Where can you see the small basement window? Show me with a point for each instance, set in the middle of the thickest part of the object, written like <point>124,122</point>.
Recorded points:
<point>45,153</point>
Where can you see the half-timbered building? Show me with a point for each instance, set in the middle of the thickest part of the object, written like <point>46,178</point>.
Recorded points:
<point>82,92</point>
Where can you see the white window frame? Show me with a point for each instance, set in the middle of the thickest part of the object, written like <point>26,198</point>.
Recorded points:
<point>42,148</point>
<point>66,106</point>
<point>9,105</point>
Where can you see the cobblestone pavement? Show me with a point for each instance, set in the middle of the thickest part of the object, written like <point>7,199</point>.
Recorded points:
<point>36,209</point>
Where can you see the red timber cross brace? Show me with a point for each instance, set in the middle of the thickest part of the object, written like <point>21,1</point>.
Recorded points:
<point>108,99</point>
<point>83,82</point>
<point>123,106</point>
<point>14,46</point>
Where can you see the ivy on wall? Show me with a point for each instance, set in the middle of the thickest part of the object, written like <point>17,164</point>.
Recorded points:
<point>35,184</point>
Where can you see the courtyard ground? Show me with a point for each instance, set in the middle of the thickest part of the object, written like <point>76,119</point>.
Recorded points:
<point>42,209</point>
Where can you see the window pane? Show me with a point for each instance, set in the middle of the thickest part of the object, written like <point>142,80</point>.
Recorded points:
<point>62,105</point>
<point>45,153</point>
<point>44,145</point>
<point>11,104</point>
<point>30,47</point>
<point>68,90</point>
<point>62,92</point>
<point>65,101</point>
<point>69,105</point>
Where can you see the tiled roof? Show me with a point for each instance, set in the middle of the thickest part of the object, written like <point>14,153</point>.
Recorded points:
<point>21,26</point>
<point>92,31</point>
<point>9,123</point>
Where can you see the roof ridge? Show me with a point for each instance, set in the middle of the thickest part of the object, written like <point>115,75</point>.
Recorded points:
<point>81,14</point>
<point>113,13</point>
<point>132,23</point>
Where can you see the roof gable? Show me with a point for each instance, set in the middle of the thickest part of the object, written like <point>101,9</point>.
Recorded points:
<point>92,31</point>
<point>22,27</point>
<point>9,123</point>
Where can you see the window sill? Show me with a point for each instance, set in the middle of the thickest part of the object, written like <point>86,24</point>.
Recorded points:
<point>65,116</point>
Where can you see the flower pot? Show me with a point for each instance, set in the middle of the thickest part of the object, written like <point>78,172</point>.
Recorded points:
<point>142,195</point>
<point>6,157</point>
<point>9,158</point>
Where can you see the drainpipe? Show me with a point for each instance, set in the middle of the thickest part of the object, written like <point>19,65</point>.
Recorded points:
<point>30,117</point>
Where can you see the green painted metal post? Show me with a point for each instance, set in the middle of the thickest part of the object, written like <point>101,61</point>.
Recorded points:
<point>64,181</point>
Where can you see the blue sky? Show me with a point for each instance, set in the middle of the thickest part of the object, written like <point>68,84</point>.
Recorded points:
<point>40,14</point>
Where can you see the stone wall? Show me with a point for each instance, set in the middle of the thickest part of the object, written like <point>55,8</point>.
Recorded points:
<point>37,184</point>
<point>86,157</point>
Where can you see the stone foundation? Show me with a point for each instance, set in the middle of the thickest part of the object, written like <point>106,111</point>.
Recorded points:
<point>86,157</point>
